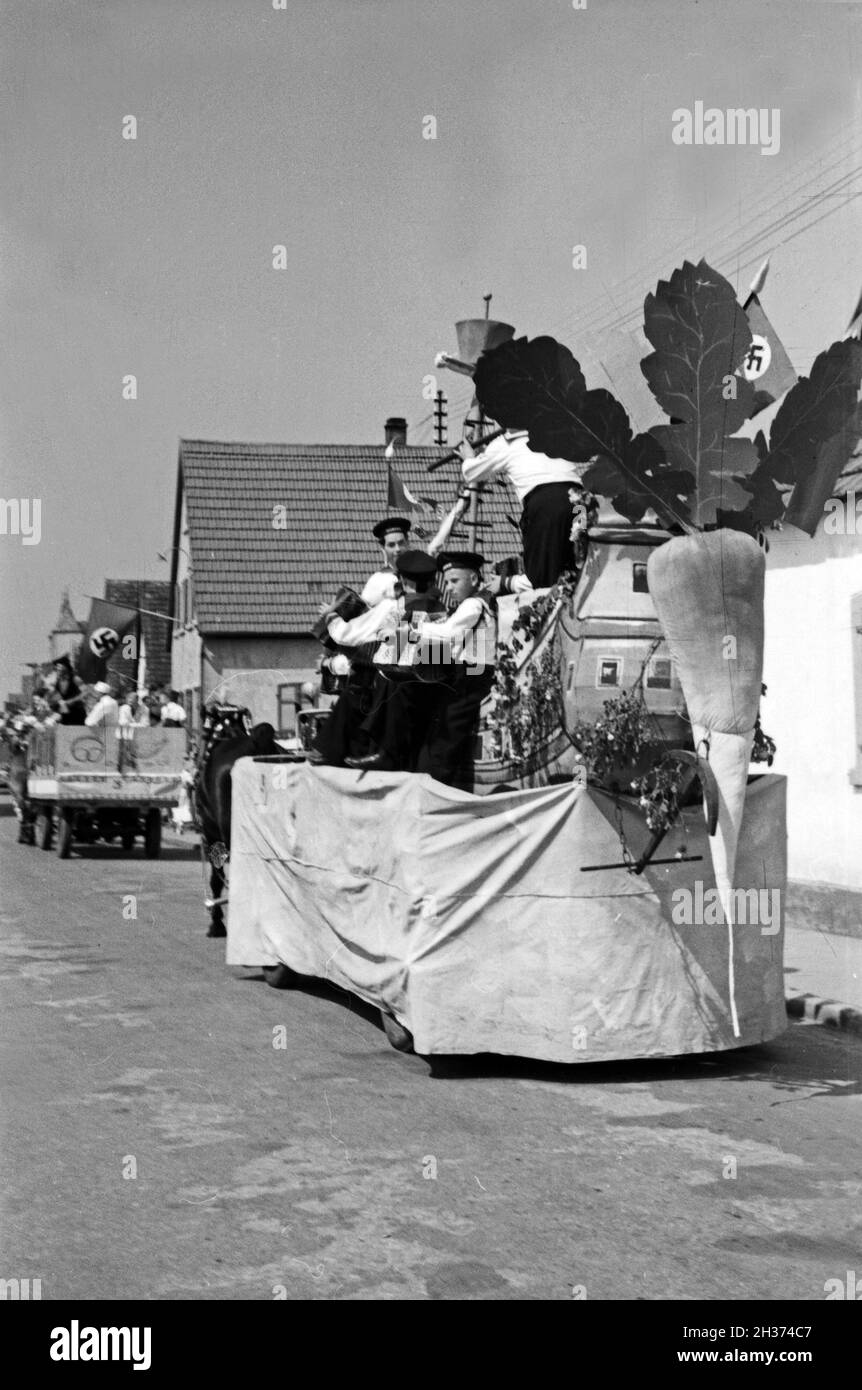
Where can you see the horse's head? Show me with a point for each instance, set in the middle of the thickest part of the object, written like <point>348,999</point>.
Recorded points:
<point>224,721</point>
<point>220,722</point>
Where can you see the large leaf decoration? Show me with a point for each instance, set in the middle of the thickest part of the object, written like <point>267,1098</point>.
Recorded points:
<point>642,479</point>
<point>520,381</point>
<point>818,407</point>
<point>539,386</point>
<point>700,334</point>
<point>815,487</point>
<point>766,500</point>
<point>815,431</point>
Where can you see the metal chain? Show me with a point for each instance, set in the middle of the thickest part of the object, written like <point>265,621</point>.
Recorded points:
<point>628,858</point>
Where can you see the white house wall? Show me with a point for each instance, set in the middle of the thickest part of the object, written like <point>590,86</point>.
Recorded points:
<point>810,709</point>
<point>249,670</point>
<point>185,639</point>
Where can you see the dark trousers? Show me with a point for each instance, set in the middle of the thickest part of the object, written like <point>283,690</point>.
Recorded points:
<point>341,734</point>
<point>403,710</point>
<point>448,751</point>
<point>546,524</point>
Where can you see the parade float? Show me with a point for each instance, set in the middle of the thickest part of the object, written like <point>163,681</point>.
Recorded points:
<point>83,785</point>
<point>614,887</point>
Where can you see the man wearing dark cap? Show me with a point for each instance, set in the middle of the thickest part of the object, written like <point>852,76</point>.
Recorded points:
<point>391,535</point>
<point>385,627</point>
<point>471,631</point>
<point>429,718</point>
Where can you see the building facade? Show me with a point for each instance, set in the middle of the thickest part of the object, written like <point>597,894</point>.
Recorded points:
<point>263,533</point>
<point>813,708</point>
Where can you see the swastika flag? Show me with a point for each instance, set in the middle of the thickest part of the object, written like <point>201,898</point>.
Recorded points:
<point>106,627</point>
<point>766,364</point>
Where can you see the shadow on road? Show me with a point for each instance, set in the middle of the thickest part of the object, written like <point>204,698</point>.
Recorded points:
<point>806,1061</point>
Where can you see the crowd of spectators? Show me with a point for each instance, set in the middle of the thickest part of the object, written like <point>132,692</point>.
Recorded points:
<point>62,698</point>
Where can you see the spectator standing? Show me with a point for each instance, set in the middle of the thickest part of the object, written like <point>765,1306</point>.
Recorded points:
<point>173,714</point>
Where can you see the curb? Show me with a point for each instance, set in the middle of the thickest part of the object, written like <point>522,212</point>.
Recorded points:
<point>826,1012</point>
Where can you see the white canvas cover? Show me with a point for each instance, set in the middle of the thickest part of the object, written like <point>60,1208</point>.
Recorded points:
<point>470,920</point>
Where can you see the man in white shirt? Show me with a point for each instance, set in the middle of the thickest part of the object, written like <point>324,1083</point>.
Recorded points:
<point>173,714</point>
<point>547,489</point>
<point>106,709</point>
<point>471,630</point>
<point>356,722</point>
<point>391,535</point>
<point>133,713</point>
<point>428,720</point>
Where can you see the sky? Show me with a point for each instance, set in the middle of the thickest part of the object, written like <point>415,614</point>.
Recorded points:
<point>303,127</point>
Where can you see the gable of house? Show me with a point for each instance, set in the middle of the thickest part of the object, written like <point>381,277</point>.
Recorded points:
<point>273,529</point>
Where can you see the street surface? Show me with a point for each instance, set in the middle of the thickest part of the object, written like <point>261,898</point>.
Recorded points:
<point>156,1144</point>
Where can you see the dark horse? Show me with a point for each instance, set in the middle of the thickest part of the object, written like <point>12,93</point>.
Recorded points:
<point>226,735</point>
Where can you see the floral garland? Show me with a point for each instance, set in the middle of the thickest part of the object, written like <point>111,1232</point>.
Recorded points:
<point>524,712</point>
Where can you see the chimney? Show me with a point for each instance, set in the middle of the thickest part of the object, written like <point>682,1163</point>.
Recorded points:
<point>395,431</point>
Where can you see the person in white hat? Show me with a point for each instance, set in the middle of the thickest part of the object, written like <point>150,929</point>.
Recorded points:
<point>106,710</point>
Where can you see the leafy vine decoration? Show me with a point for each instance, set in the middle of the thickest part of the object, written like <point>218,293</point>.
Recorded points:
<point>527,706</point>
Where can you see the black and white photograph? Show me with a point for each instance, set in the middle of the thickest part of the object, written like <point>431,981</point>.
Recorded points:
<point>431,667</point>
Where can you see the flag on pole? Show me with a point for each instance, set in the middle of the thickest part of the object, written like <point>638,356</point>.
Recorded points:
<point>400,497</point>
<point>106,626</point>
<point>756,286</point>
<point>854,327</point>
<point>766,363</point>
<point>420,510</point>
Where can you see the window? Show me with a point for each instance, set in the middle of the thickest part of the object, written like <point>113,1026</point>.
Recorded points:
<point>289,699</point>
<point>639,580</point>
<point>659,673</point>
<point>185,614</point>
<point>609,671</point>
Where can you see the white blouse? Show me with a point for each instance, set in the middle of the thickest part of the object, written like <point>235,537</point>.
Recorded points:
<point>510,456</point>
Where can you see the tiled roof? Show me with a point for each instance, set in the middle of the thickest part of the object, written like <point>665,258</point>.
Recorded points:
<point>250,576</point>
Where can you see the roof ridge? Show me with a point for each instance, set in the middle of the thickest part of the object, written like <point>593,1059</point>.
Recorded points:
<point>321,444</point>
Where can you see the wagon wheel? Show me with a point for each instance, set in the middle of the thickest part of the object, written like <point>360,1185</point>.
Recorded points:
<point>46,829</point>
<point>153,833</point>
<point>65,831</point>
<point>26,832</point>
<point>281,976</point>
<point>399,1036</point>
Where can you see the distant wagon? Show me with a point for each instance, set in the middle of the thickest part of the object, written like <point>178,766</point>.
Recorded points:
<point>97,784</point>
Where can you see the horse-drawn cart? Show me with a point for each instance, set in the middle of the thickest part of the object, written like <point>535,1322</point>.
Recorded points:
<point>90,784</point>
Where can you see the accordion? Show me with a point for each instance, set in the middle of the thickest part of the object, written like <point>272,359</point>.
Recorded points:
<point>347,605</point>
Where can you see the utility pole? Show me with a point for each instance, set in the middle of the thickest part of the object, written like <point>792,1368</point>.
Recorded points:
<point>441,433</point>
<point>473,522</point>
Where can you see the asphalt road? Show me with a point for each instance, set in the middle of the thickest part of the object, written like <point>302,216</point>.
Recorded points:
<point>156,1144</point>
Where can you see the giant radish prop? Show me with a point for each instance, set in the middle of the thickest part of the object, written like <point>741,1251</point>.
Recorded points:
<point>714,489</point>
